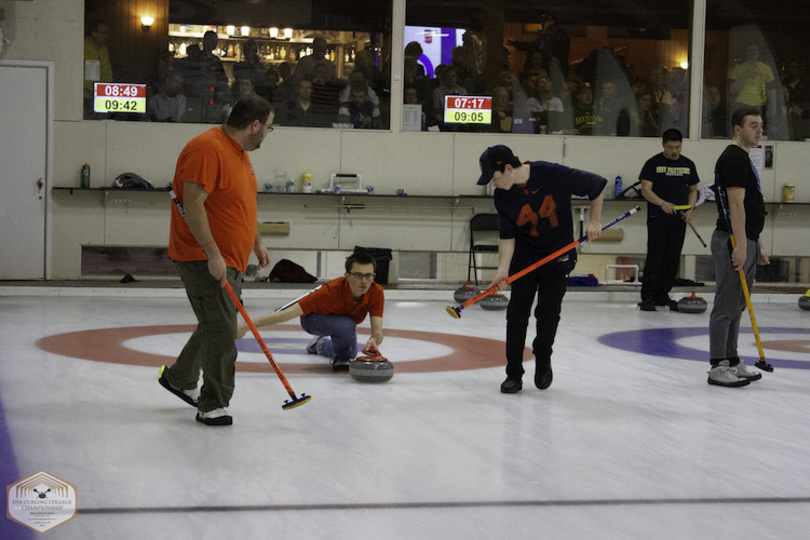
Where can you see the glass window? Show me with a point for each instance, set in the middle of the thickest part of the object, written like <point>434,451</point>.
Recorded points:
<point>322,65</point>
<point>584,67</point>
<point>756,56</point>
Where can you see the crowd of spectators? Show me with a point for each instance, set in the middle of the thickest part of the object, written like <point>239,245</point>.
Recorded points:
<point>602,94</point>
<point>308,93</point>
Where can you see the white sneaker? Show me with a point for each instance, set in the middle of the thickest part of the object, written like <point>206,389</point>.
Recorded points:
<point>217,417</point>
<point>315,344</point>
<point>741,371</point>
<point>724,375</point>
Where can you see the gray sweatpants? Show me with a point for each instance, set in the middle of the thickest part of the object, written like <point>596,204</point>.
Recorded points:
<point>729,300</point>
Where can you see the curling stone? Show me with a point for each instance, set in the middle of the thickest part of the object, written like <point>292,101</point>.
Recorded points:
<point>465,292</point>
<point>372,367</point>
<point>804,301</point>
<point>494,302</point>
<point>692,304</point>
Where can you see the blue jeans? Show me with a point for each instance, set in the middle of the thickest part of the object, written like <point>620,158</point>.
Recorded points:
<point>341,330</point>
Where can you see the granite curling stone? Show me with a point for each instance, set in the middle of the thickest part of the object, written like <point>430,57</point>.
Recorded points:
<point>692,304</point>
<point>465,292</point>
<point>494,302</point>
<point>372,367</point>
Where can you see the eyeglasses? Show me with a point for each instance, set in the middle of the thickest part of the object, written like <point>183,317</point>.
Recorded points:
<point>358,275</point>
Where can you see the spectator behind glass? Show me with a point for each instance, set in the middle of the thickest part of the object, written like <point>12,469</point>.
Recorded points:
<point>525,89</point>
<point>364,62</point>
<point>211,61</point>
<point>325,95</point>
<point>241,88</point>
<point>613,110</point>
<point>584,118</point>
<point>97,65</point>
<point>413,50</point>
<point>285,87</point>
<point>501,110</point>
<point>306,65</point>
<point>643,121</point>
<point>169,105</point>
<point>678,113</point>
<point>298,111</point>
<point>798,85</point>
<point>252,69</point>
<point>411,77</point>
<point>208,94</point>
<point>545,107</point>
<point>467,76</point>
<point>752,84</point>
<point>360,111</point>
<point>662,98</point>
<point>714,114</point>
<point>449,87</point>
<point>411,97</point>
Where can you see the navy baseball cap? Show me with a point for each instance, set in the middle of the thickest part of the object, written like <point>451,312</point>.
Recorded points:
<point>495,158</point>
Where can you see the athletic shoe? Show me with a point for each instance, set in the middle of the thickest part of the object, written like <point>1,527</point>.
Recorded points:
<point>315,344</point>
<point>217,417</point>
<point>543,374</point>
<point>512,385</point>
<point>741,371</point>
<point>673,305</point>
<point>724,375</point>
<point>189,396</point>
<point>340,364</point>
<point>647,305</point>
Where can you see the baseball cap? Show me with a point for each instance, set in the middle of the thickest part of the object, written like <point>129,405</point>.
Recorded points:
<point>495,158</point>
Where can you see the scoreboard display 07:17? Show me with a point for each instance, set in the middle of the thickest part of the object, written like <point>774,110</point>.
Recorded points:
<point>467,109</point>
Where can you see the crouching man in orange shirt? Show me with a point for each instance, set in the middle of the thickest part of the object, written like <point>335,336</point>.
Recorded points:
<point>332,312</point>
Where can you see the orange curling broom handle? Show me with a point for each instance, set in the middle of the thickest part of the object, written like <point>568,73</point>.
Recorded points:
<point>296,401</point>
<point>258,337</point>
<point>455,312</point>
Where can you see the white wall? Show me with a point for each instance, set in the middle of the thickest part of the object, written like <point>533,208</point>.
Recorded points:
<point>434,164</point>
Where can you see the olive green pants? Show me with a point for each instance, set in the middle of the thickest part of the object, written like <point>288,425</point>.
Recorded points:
<point>211,346</point>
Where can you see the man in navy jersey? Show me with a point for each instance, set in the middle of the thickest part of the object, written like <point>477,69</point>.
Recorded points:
<point>735,175</point>
<point>668,179</point>
<point>533,201</point>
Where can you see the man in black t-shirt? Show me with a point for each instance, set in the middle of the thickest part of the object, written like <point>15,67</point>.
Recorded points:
<point>668,180</point>
<point>737,181</point>
<point>533,201</point>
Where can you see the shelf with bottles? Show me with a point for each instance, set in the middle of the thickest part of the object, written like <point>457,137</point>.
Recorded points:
<point>275,45</point>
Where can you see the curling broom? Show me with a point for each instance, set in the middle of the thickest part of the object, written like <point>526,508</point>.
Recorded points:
<point>296,401</point>
<point>455,312</point>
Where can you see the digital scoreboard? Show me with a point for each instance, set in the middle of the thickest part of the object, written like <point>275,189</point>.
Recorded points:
<point>119,97</point>
<point>467,109</point>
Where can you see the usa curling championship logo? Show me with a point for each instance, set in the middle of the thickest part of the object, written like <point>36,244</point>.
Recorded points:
<point>41,501</point>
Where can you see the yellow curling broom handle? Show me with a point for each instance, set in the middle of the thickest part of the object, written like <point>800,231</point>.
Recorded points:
<point>748,304</point>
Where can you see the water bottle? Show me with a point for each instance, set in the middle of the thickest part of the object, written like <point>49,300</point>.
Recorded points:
<point>617,184</point>
<point>85,181</point>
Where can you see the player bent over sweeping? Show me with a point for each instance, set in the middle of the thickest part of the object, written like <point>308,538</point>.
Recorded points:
<point>332,312</point>
<point>533,201</point>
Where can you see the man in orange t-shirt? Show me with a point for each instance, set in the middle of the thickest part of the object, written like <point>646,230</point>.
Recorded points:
<point>332,312</point>
<point>214,181</point>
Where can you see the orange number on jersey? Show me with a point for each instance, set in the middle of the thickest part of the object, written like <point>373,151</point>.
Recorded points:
<point>547,210</point>
<point>527,215</point>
